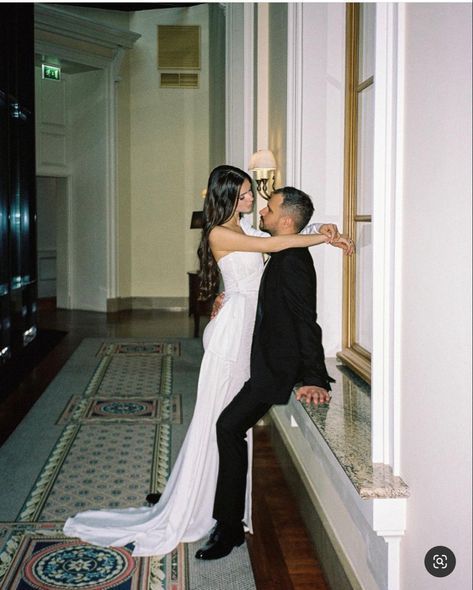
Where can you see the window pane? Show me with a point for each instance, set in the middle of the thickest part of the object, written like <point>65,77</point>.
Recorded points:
<point>367,40</point>
<point>365,151</point>
<point>364,286</point>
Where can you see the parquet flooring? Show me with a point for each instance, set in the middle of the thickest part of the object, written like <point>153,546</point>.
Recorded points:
<point>281,553</point>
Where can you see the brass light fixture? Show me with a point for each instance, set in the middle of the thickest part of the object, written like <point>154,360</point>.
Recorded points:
<point>263,165</point>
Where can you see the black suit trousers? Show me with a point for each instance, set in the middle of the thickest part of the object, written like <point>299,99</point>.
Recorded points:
<point>240,415</point>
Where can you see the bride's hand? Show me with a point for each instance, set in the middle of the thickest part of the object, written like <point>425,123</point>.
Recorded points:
<point>345,243</point>
<point>217,304</point>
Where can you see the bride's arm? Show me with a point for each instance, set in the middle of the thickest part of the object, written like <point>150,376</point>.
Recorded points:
<point>226,240</point>
<point>312,228</point>
<point>328,229</point>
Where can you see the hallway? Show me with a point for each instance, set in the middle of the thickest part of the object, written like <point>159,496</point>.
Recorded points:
<point>280,550</point>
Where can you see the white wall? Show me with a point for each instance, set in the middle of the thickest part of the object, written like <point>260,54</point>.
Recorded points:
<point>87,128</point>
<point>46,211</point>
<point>436,327</point>
<point>321,136</point>
<point>169,134</point>
<point>52,157</point>
<point>46,230</point>
<point>323,95</point>
<point>162,161</point>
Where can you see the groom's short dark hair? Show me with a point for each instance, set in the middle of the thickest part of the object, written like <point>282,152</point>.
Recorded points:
<point>297,205</point>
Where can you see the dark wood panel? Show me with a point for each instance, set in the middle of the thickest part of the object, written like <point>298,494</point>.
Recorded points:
<point>18,289</point>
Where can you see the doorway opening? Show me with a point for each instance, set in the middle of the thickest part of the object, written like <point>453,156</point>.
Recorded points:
<point>53,238</point>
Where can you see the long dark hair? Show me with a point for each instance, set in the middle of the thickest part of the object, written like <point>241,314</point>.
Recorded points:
<point>220,201</point>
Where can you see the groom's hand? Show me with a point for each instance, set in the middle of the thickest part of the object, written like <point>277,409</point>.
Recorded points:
<point>314,394</point>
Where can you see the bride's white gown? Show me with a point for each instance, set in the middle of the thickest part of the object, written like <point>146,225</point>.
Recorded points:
<point>184,512</point>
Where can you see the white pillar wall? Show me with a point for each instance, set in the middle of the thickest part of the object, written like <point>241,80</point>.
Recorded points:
<point>239,115</point>
<point>436,295</point>
<point>88,153</point>
<point>432,406</point>
<point>315,139</point>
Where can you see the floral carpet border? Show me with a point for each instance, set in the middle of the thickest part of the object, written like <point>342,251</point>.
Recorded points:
<point>39,557</point>
<point>159,409</point>
<point>138,348</point>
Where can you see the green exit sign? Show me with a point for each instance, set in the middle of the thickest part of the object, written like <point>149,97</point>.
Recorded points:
<point>51,72</point>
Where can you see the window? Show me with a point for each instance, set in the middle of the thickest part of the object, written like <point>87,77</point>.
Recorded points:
<point>358,199</point>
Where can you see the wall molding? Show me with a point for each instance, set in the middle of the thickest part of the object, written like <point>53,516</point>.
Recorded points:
<point>163,303</point>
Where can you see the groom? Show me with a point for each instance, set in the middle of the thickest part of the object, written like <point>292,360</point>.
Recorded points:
<point>286,349</point>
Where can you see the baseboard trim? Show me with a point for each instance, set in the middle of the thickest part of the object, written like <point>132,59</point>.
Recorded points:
<point>143,303</point>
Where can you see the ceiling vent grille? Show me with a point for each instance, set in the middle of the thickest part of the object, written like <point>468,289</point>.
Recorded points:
<point>179,80</point>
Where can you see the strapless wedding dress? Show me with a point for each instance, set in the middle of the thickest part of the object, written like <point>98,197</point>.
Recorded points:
<point>184,512</point>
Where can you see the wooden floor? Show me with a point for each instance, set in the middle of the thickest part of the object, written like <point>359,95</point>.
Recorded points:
<point>281,552</point>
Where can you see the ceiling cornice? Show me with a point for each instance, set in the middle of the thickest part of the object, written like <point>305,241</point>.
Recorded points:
<point>54,20</point>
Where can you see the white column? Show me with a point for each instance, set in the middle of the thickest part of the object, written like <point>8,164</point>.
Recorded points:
<point>262,65</point>
<point>239,83</point>
<point>386,235</point>
<point>294,95</point>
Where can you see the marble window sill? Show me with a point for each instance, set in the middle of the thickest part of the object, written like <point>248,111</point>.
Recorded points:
<point>345,425</point>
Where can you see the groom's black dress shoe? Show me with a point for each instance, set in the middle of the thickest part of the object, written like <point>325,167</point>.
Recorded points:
<point>221,542</point>
<point>153,498</point>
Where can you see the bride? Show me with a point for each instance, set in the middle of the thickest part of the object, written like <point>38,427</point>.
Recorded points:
<point>230,247</point>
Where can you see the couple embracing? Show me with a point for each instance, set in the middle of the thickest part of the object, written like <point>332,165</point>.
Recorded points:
<point>263,340</point>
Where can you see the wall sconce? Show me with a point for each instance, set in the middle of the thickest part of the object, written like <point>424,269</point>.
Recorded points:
<point>263,166</point>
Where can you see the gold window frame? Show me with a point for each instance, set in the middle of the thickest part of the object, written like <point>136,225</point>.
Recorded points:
<point>352,354</point>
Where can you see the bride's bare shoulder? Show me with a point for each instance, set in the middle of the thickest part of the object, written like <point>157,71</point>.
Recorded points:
<point>219,233</point>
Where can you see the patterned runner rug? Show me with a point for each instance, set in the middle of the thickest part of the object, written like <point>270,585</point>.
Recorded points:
<point>114,448</point>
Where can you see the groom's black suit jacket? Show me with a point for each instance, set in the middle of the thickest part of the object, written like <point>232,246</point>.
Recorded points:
<point>287,341</point>
<point>286,349</point>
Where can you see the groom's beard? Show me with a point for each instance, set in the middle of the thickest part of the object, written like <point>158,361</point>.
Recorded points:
<point>262,228</point>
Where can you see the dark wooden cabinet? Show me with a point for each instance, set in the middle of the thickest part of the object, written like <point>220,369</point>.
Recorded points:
<point>197,307</point>
<point>18,298</point>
